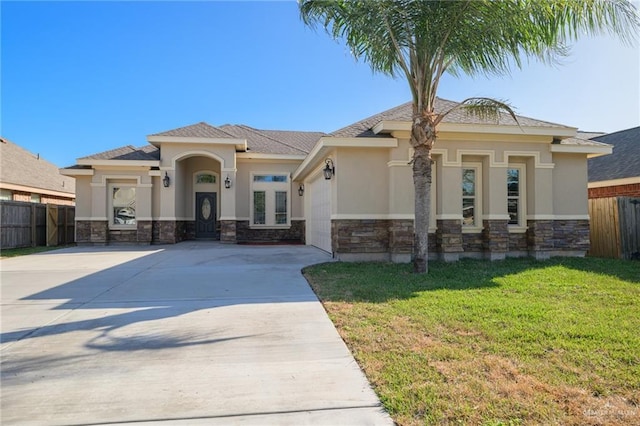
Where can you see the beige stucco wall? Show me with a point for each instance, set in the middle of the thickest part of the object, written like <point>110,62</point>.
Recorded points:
<point>570,185</point>
<point>362,177</point>
<point>83,196</point>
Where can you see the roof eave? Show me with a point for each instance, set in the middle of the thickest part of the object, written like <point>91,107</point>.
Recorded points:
<point>591,151</point>
<point>240,144</point>
<point>388,126</point>
<point>327,143</point>
<point>126,163</point>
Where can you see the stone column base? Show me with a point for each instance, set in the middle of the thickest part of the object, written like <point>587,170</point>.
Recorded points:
<point>228,231</point>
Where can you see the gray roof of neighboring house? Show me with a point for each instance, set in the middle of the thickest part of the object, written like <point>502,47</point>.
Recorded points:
<point>625,160</point>
<point>588,135</point>
<point>21,167</point>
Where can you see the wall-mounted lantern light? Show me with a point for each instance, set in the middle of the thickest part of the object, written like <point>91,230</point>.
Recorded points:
<point>166,180</point>
<point>227,182</point>
<point>329,169</point>
<point>301,190</point>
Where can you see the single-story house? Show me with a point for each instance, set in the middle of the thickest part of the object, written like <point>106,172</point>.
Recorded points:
<point>617,174</point>
<point>500,188</point>
<point>25,176</point>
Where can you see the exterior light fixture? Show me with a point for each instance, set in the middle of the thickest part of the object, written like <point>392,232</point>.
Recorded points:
<point>329,169</point>
<point>227,182</point>
<point>166,180</point>
<point>301,190</point>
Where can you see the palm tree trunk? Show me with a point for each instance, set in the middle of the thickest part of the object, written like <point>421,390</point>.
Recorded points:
<point>422,139</point>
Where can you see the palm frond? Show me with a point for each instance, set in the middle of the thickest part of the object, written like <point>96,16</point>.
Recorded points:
<point>482,108</point>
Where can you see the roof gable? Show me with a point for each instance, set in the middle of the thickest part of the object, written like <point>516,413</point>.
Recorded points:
<point>198,130</point>
<point>404,112</point>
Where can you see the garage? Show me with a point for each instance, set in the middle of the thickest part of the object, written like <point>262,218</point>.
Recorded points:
<point>319,213</point>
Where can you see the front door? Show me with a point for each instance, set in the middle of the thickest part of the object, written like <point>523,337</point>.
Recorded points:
<point>206,209</point>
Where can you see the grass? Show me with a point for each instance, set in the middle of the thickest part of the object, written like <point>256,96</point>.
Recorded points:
<point>493,343</point>
<point>23,251</point>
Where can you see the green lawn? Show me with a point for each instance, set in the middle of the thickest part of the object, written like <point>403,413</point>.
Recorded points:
<point>497,343</point>
<point>27,250</point>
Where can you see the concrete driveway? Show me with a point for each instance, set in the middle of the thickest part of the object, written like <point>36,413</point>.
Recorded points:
<point>194,333</point>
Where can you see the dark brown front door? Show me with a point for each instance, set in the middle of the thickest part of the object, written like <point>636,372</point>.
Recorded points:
<point>206,209</point>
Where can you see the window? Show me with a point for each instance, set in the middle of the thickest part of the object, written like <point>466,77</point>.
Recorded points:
<point>471,199</point>
<point>259,211</point>
<point>35,198</point>
<point>515,198</point>
<point>270,200</point>
<point>281,208</point>
<point>123,206</point>
<point>205,178</point>
<point>6,194</point>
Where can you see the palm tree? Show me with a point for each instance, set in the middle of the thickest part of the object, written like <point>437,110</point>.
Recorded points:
<point>421,40</point>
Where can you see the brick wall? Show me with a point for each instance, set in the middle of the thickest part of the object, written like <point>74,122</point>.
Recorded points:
<point>629,190</point>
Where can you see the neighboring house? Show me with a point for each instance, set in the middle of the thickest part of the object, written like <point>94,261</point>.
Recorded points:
<point>499,188</point>
<point>617,174</point>
<point>27,177</point>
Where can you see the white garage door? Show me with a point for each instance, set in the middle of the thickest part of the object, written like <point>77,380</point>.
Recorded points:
<point>319,218</point>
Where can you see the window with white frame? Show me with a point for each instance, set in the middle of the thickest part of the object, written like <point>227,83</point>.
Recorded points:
<point>515,195</point>
<point>122,206</point>
<point>270,203</point>
<point>471,195</point>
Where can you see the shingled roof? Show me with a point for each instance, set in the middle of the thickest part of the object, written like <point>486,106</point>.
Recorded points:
<point>404,112</point>
<point>274,141</point>
<point>21,167</point>
<point>198,130</point>
<point>625,160</point>
<point>144,153</point>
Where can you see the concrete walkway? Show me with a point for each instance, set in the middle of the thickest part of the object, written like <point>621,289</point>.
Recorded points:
<point>195,333</point>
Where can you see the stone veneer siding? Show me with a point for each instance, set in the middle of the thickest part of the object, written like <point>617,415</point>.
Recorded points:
<point>294,234</point>
<point>571,235</point>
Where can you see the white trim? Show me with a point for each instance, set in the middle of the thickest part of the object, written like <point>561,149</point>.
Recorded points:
<point>364,216</point>
<point>540,217</point>
<point>398,163</point>
<point>143,218</point>
<point>614,182</point>
<point>446,162</point>
<point>228,170</point>
<point>298,218</point>
<point>472,229</point>
<point>76,172</point>
<point>558,217</point>
<point>449,216</point>
<point>137,178</point>
<point>261,156</point>
<point>248,219</point>
<point>597,151</point>
<point>155,173</point>
<point>195,153</point>
<point>240,144</point>
<point>536,158</point>
<point>92,219</point>
<point>126,163</point>
<point>513,229</point>
<point>496,217</point>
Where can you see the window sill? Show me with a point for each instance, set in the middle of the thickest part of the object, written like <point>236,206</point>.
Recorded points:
<point>514,229</point>
<point>123,228</point>
<point>269,226</point>
<point>472,230</point>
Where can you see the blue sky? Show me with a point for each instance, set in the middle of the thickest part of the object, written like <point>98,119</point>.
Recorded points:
<point>83,77</point>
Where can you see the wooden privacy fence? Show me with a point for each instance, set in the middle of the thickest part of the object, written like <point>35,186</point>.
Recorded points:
<point>24,224</point>
<point>615,227</point>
